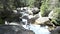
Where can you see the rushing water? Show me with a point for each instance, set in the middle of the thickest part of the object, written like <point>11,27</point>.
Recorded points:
<point>38,29</point>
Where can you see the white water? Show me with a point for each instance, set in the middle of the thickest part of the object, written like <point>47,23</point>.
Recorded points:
<point>38,29</point>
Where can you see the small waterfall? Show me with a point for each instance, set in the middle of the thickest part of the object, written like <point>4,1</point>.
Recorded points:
<point>35,28</point>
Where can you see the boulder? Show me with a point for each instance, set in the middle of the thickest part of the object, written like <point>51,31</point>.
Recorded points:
<point>35,10</point>
<point>56,30</point>
<point>14,29</point>
<point>41,20</point>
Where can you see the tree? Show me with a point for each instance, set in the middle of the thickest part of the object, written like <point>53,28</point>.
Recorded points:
<point>56,16</point>
<point>6,10</point>
<point>47,6</point>
<point>37,3</point>
<point>51,5</point>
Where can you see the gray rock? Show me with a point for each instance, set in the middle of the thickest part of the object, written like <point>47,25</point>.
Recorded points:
<point>42,20</point>
<point>14,29</point>
<point>35,10</point>
<point>56,30</point>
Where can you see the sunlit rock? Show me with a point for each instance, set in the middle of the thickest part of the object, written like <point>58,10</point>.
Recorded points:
<point>18,9</point>
<point>41,20</point>
<point>51,14</point>
<point>12,23</point>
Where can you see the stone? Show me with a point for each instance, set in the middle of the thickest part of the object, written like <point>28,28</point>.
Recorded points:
<point>14,29</point>
<point>35,10</point>
<point>41,20</point>
<point>56,30</point>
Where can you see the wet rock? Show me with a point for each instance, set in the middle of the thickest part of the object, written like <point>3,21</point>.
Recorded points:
<point>32,20</point>
<point>35,17</point>
<point>56,30</point>
<point>29,10</point>
<point>14,29</point>
<point>38,15</point>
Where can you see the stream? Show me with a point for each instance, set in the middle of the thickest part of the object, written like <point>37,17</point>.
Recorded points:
<point>37,29</point>
<point>26,15</point>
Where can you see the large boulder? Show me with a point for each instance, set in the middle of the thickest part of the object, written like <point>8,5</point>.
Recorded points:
<point>42,20</point>
<point>14,29</point>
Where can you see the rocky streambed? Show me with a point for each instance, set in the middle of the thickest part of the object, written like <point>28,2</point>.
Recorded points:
<point>30,22</point>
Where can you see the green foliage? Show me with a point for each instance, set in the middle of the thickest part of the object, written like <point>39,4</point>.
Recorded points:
<point>34,3</point>
<point>56,16</point>
<point>12,4</point>
<point>6,7</point>
<point>47,6</point>
<point>44,7</point>
<point>37,3</point>
<point>31,3</point>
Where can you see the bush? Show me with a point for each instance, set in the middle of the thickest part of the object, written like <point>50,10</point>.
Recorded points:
<point>47,6</point>
<point>44,8</point>
<point>56,16</point>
